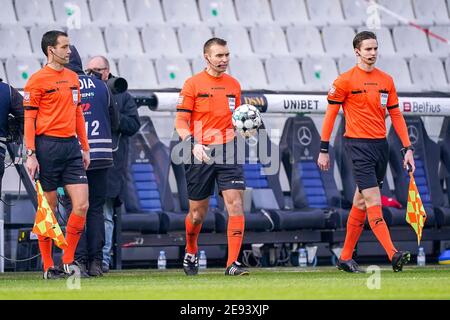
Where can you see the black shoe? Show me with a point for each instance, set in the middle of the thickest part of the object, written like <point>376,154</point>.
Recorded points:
<point>190,264</point>
<point>399,259</point>
<point>75,268</point>
<point>349,266</point>
<point>95,268</point>
<point>53,273</point>
<point>235,269</point>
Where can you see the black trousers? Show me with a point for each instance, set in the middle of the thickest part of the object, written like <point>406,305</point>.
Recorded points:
<point>90,246</point>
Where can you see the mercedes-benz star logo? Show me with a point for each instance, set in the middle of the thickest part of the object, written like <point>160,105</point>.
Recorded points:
<point>304,135</point>
<point>252,141</point>
<point>413,134</point>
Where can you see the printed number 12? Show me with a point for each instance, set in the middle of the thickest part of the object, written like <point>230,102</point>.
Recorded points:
<point>95,125</point>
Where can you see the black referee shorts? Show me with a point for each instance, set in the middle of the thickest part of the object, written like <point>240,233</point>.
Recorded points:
<point>60,162</point>
<point>370,159</point>
<point>224,168</point>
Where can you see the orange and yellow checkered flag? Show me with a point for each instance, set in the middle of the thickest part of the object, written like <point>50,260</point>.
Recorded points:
<point>415,212</point>
<point>45,223</point>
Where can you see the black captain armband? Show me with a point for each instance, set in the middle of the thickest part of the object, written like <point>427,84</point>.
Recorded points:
<point>324,145</point>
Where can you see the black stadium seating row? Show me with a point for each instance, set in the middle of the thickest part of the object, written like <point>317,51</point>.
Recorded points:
<point>317,204</point>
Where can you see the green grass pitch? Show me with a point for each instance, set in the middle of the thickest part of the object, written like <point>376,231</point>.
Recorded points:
<point>432,282</point>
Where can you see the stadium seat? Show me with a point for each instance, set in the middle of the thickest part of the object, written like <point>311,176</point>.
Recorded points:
<point>428,74</point>
<point>198,64</point>
<point>192,38</point>
<point>432,11</point>
<point>304,41</point>
<point>289,12</point>
<point>30,12</point>
<point>346,63</point>
<point>108,12</point>
<point>172,72</point>
<point>160,41</point>
<point>215,12</point>
<point>269,40</point>
<point>444,137</point>
<point>122,40</point>
<point>36,33</point>
<point>447,67</point>
<point>264,201</point>
<point>319,73</point>
<point>397,68</point>
<point>338,41</point>
<point>20,69</point>
<point>7,14</point>
<point>145,187</point>
<point>439,48</point>
<point>237,38</point>
<point>17,39</point>
<point>284,74</point>
<point>139,72</point>
<point>410,41</point>
<point>400,7</point>
<point>325,12</point>
<point>314,193</point>
<point>65,9</point>
<point>384,39</point>
<point>426,158</point>
<point>143,13</point>
<point>253,12</point>
<point>355,12</point>
<point>88,41</point>
<point>249,71</point>
<point>180,12</point>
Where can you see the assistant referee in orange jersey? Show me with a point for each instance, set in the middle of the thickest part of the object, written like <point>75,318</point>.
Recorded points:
<point>366,94</point>
<point>57,144</point>
<point>204,111</point>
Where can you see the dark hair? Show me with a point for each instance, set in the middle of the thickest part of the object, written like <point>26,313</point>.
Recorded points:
<point>50,39</point>
<point>361,36</point>
<point>213,41</point>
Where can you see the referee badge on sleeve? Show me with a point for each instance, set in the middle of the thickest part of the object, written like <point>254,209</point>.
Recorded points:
<point>26,96</point>
<point>180,100</point>
<point>232,103</point>
<point>384,99</point>
<point>75,96</point>
<point>332,90</point>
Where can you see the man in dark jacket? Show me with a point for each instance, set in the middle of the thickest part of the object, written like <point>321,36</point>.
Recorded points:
<point>102,120</point>
<point>11,103</point>
<point>129,125</point>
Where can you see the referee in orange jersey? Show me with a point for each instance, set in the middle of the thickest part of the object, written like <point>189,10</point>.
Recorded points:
<point>54,130</point>
<point>366,93</point>
<point>203,120</point>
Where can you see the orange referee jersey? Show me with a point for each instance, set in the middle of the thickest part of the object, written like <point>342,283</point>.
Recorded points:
<point>55,95</point>
<point>207,103</point>
<point>365,97</point>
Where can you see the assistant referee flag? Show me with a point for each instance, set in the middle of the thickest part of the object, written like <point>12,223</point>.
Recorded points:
<point>415,212</point>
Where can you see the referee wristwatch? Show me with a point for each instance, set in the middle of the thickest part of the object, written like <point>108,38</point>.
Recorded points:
<point>408,148</point>
<point>30,152</point>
